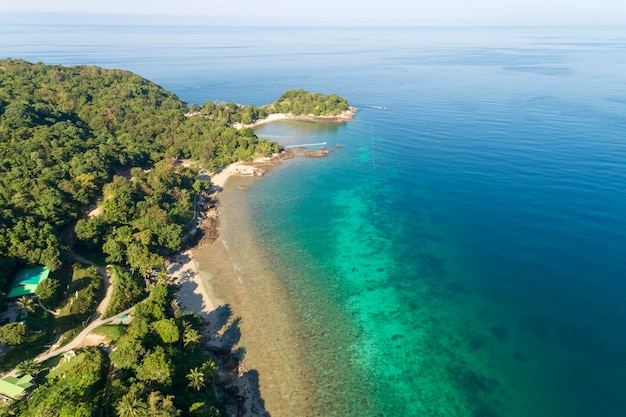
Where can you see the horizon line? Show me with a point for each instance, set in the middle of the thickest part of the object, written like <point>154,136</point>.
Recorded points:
<point>52,18</point>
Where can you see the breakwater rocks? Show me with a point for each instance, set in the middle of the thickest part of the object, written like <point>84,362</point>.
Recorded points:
<point>316,154</point>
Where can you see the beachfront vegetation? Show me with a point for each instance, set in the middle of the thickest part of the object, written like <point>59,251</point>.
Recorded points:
<point>232,112</point>
<point>151,372</point>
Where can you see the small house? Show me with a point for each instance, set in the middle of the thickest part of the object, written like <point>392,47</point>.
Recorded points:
<point>12,388</point>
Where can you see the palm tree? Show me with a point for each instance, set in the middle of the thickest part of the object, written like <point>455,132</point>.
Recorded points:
<point>28,366</point>
<point>209,367</point>
<point>191,337</point>
<point>26,304</point>
<point>131,406</point>
<point>196,379</point>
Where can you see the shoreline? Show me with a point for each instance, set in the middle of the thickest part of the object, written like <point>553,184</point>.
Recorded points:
<point>223,285</point>
<point>214,280</point>
<point>262,325</point>
<point>192,294</point>
<point>254,168</point>
<point>183,269</point>
<point>344,116</point>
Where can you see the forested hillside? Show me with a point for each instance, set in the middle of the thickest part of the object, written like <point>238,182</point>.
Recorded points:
<point>66,131</point>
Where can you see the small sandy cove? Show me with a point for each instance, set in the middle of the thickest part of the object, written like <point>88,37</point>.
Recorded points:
<point>344,116</point>
<point>238,168</point>
<point>192,293</point>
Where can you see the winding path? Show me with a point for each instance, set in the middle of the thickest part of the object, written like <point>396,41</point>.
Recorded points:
<point>54,313</point>
<point>102,307</point>
<point>79,338</point>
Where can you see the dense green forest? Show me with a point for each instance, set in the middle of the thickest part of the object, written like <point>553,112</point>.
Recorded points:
<point>302,102</point>
<point>65,132</point>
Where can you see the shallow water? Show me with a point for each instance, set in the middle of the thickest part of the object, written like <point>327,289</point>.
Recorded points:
<point>264,332</point>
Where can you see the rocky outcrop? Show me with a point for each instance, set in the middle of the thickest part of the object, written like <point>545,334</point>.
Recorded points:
<point>316,154</point>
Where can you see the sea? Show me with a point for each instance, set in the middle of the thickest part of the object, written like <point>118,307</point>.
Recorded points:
<point>462,250</point>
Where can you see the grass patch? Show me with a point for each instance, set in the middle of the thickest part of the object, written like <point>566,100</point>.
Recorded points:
<point>84,294</point>
<point>64,366</point>
<point>113,332</point>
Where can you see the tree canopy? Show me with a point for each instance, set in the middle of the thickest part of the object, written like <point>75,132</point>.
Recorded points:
<point>66,131</point>
<point>302,102</point>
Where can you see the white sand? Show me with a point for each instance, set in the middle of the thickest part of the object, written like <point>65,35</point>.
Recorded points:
<point>270,118</point>
<point>238,168</point>
<point>192,294</point>
<point>344,116</point>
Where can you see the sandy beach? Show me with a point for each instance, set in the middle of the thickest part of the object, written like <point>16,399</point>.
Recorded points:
<point>238,168</point>
<point>345,116</point>
<point>193,294</point>
<point>266,325</point>
<point>245,308</point>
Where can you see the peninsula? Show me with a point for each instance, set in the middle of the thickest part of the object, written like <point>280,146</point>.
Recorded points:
<point>298,105</point>
<point>103,179</point>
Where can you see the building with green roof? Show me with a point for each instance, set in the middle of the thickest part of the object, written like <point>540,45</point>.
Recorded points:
<point>27,281</point>
<point>14,388</point>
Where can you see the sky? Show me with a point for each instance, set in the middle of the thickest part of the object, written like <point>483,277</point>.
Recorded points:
<point>342,11</point>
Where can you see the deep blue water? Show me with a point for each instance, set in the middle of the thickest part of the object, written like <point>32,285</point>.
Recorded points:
<point>464,252</point>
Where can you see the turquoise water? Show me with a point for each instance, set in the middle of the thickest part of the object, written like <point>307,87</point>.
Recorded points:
<point>463,252</point>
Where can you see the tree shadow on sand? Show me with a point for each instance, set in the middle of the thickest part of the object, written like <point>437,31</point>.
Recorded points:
<point>238,385</point>
<point>177,263</point>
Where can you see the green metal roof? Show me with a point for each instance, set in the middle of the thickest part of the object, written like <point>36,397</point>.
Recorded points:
<point>14,387</point>
<point>27,281</point>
